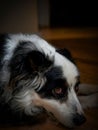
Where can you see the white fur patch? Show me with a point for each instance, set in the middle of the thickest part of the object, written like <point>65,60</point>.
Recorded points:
<point>70,71</point>
<point>37,44</point>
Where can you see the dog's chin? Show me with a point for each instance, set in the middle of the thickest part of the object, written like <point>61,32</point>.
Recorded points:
<point>66,122</point>
<point>63,123</point>
<point>69,123</point>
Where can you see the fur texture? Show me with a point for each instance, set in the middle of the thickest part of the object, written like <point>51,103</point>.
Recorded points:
<point>35,76</point>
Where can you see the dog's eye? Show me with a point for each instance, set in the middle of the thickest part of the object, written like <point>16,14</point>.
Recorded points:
<point>77,87</point>
<point>59,92</point>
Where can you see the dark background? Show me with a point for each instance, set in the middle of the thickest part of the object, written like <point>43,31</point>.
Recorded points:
<point>67,13</point>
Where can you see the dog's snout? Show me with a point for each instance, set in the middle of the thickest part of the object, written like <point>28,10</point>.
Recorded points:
<point>79,119</point>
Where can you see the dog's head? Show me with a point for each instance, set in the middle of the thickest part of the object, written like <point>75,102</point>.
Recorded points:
<point>41,76</point>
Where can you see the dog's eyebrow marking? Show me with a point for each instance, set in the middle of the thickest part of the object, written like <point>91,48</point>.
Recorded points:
<point>54,84</point>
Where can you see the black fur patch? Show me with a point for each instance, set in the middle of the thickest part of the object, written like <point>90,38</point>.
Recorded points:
<point>54,80</point>
<point>47,90</point>
<point>28,61</point>
<point>39,60</point>
<point>66,53</point>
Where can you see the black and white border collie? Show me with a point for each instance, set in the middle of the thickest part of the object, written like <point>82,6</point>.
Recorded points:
<point>35,76</point>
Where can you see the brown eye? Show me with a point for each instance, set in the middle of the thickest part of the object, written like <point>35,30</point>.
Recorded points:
<point>59,92</point>
<point>76,88</point>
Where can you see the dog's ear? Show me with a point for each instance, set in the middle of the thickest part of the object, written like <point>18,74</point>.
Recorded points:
<point>66,53</point>
<point>38,60</point>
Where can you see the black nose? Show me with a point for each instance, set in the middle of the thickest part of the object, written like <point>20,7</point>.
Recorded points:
<point>79,119</point>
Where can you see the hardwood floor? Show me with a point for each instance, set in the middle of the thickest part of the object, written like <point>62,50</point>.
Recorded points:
<point>83,44</point>
<point>68,33</point>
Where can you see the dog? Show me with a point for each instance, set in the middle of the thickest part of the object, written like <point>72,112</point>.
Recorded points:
<point>36,76</point>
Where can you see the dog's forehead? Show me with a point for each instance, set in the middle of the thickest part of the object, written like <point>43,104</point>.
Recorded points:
<point>69,70</point>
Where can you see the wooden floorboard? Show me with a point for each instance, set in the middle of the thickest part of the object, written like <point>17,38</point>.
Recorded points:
<point>68,33</point>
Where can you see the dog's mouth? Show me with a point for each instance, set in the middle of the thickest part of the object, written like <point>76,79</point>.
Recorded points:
<point>61,111</point>
<point>77,120</point>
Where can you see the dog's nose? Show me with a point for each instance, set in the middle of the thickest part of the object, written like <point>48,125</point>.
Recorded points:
<point>79,119</point>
